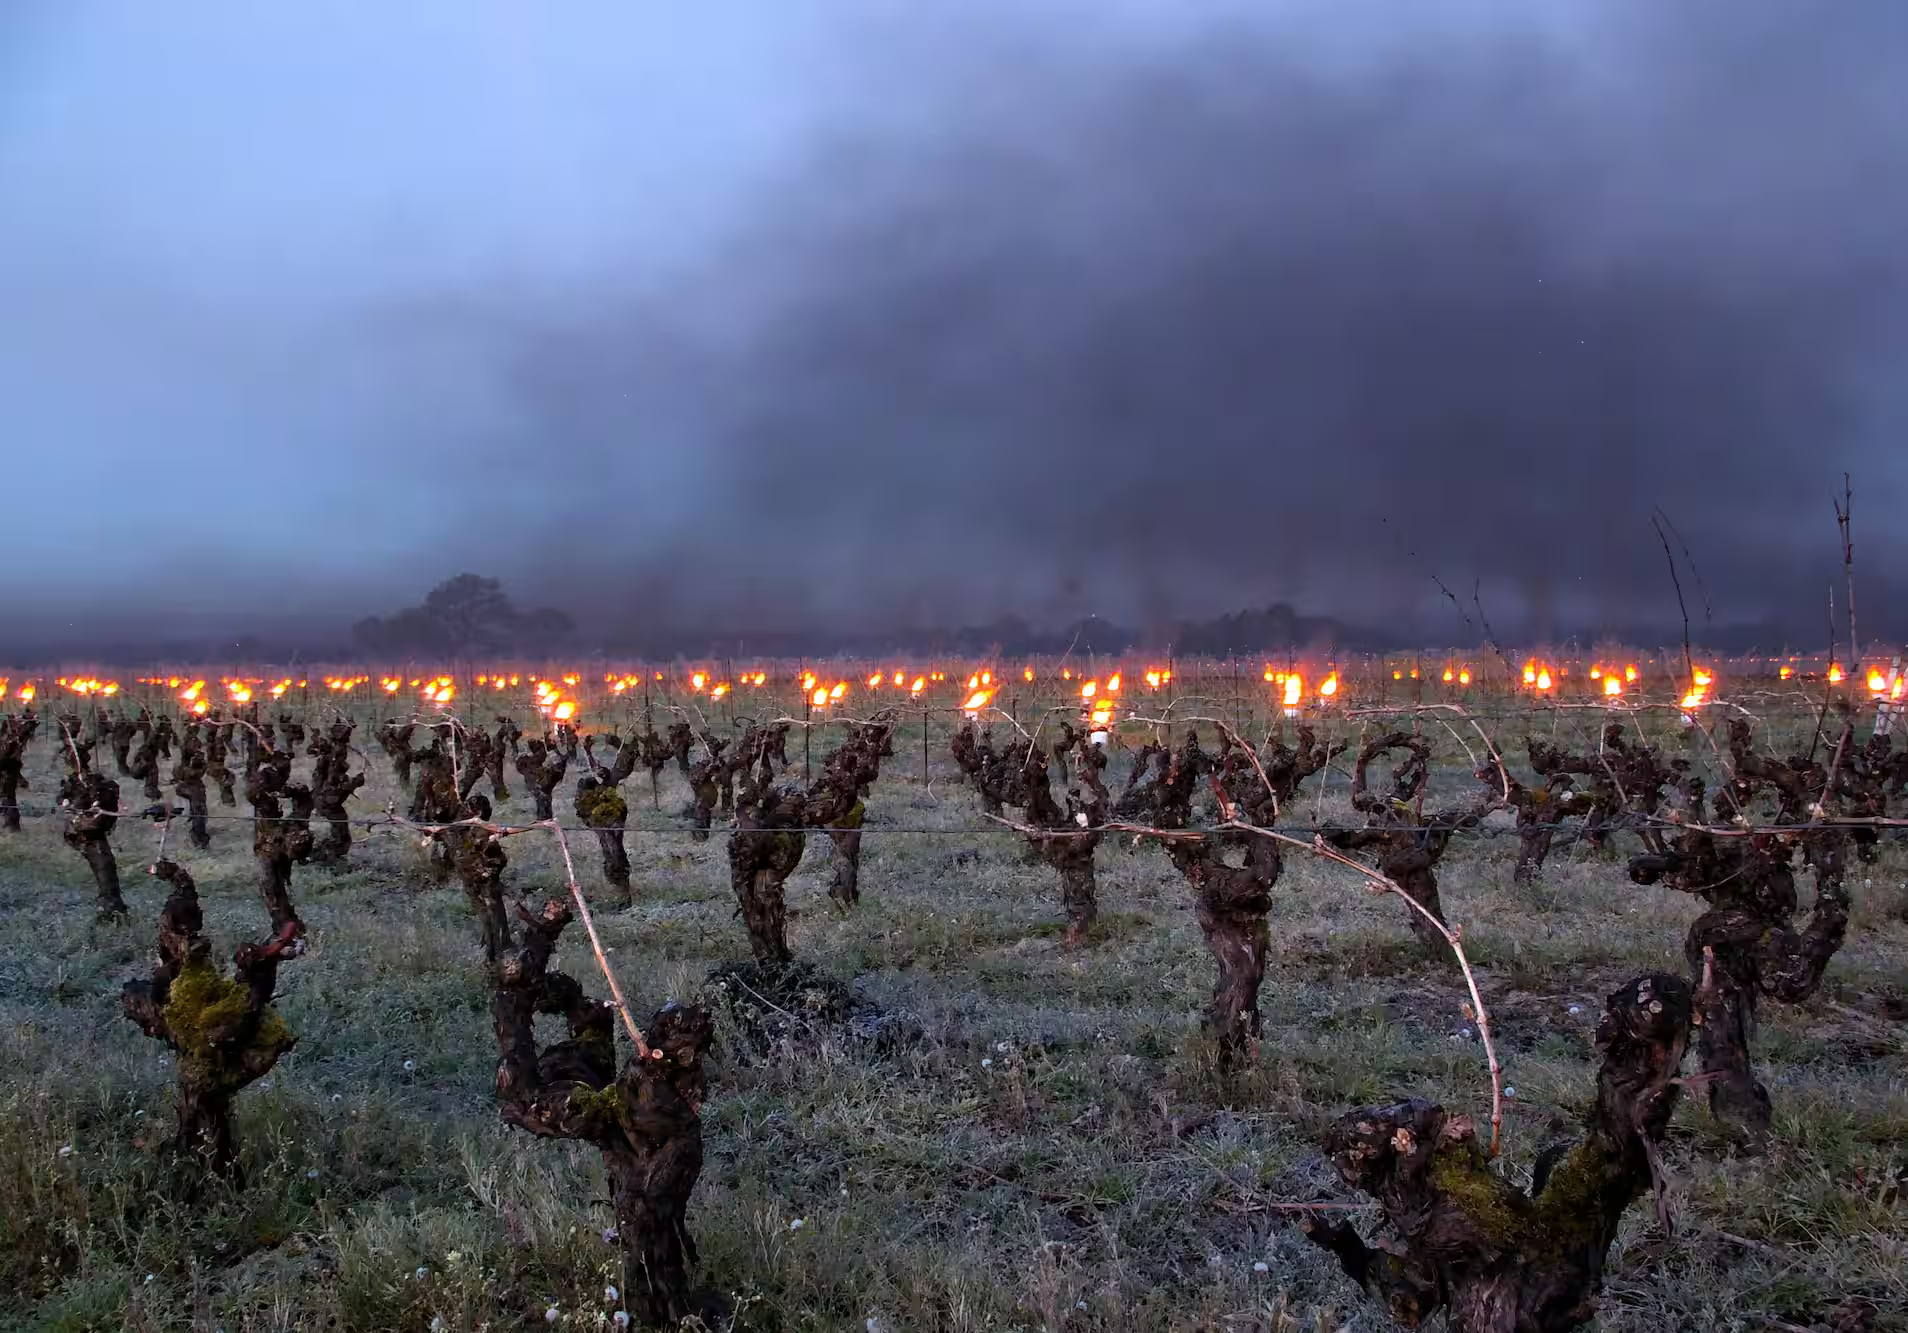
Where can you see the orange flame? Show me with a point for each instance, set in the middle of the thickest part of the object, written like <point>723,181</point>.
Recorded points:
<point>1464,676</point>
<point>1329,686</point>
<point>820,697</point>
<point>1530,673</point>
<point>1448,677</point>
<point>1543,679</point>
<point>977,701</point>
<point>1113,683</point>
<point>1088,690</point>
<point>564,711</point>
<point>1027,674</point>
<point>920,683</point>
<point>696,681</point>
<point>1612,687</point>
<point>1835,673</point>
<point>1294,689</point>
<point>1786,672</point>
<point>1877,682</point>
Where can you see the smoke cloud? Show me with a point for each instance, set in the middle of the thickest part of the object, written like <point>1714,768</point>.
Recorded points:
<point>1223,320</point>
<point>1148,319</point>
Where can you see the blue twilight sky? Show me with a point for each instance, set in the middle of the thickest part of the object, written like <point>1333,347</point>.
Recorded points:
<point>835,308</point>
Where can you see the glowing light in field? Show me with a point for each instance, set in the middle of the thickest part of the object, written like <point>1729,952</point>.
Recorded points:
<point>820,697</point>
<point>1612,687</point>
<point>1448,677</point>
<point>1835,673</point>
<point>920,683</point>
<point>1700,681</point>
<point>1294,689</point>
<point>1329,686</point>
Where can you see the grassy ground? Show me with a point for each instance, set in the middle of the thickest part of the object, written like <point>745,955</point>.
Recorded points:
<point>1058,1151</point>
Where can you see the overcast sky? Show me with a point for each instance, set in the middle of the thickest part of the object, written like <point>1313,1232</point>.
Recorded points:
<point>836,311</point>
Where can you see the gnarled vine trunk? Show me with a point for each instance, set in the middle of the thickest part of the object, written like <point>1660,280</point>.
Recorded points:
<point>1460,1237</point>
<point>645,1121</point>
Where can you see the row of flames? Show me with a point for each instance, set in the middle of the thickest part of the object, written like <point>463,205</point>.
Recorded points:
<point>555,696</point>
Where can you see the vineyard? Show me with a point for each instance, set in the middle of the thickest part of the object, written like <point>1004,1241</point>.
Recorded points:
<point>1513,990</point>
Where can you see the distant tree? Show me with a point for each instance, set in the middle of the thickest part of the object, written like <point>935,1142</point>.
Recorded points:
<point>465,616</point>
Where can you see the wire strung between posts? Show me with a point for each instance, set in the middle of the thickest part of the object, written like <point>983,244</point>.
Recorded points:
<point>1480,832</point>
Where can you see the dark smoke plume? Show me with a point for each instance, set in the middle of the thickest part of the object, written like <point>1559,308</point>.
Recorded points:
<point>1221,325</point>
<point>1071,321</point>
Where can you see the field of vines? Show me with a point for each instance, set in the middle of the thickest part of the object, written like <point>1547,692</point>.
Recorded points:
<point>1508,992</point>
